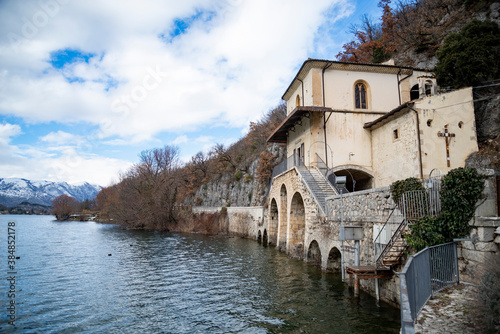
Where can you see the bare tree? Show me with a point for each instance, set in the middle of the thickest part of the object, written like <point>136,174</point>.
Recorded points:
<point>63,206</point>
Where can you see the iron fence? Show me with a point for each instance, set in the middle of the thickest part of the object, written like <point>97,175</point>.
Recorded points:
<point>292,161</point>
<point>425,274</point>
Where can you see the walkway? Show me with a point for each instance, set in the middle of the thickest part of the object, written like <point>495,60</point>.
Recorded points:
<point>453,310</point>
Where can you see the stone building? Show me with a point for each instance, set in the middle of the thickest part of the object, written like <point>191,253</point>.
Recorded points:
<point>374,124</point>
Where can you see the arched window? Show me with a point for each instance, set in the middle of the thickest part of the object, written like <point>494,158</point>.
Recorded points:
<point>297,101</point>
<point>414,92</point>
<point>428,88</point>
<point>360,96</point>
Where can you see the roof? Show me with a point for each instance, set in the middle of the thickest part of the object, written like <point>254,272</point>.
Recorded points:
<point>345,66</point>
<point>394,113</point>
<point>280,134</point>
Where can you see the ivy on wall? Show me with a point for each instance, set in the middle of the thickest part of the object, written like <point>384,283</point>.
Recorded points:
<point>460,191</point>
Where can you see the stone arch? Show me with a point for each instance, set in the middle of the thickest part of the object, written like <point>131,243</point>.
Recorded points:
<point>297,226</point>
<point>264,238</point>
<point>273,223</point>
<point>361,91</point>
<point>357,177</point>
<point>259,237</point>
<point>334,260</point>
<point>314,253</point>
<point>283,221</point>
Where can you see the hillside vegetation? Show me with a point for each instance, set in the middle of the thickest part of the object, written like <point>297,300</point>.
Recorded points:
<point>157,192</point>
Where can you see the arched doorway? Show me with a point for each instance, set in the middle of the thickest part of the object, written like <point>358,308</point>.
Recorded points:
<point>259,237</point>
<point>283,223</point>
<point>264,238</point>
<point>314,253</point>
<point>357,178</point>
<point>334,260</point>
<point>273,223</point>
<point>297,226</point>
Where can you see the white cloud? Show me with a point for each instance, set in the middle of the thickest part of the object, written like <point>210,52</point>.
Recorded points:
<point>61,137</point>
<point>7,131</point>
<point>228,67</point>
<point>180,140</point>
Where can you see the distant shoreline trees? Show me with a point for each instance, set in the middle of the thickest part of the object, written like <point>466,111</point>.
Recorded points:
<point>64,206</point>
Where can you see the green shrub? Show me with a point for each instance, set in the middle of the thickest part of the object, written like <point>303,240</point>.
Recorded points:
<point>470,56</point>
<point>398,188</point>
<point>238,175</point>
<point>460,191</point>
<point>248,178</point>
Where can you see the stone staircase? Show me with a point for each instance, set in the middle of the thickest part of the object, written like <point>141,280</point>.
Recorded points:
<point>318,185</point>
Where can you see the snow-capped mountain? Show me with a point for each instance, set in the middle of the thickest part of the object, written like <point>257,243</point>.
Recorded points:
<point>14,191</point>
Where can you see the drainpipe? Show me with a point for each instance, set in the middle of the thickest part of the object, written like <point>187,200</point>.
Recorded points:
<point>419,143</point>
<point>324,115</point>
<point>399,86</point>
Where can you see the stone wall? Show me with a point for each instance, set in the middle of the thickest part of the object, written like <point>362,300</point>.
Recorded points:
<point>477,255</point>
<point>372,205</point>
<point>244,222</point>
<point>369,209</point>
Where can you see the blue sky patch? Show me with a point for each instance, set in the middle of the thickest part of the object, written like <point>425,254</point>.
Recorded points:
<point>181,25</point>
<point>59,58</point>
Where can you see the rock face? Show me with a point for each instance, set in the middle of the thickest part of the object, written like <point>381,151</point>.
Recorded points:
<point>231,190</point>
<point>14,191</point>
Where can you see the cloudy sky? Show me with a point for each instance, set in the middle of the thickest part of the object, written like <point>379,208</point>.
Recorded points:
<point>86,85</point>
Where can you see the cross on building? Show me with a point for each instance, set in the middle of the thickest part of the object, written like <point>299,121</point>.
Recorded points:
<point>447,137</point>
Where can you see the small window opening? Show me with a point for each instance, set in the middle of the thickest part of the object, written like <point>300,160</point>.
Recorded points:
<point>414,92</point>
<point>360,96</point>
<point>428,88</point>
<point>460,124</point>
<point>429,122</point>
<point>395,134</point>
<point>297,101</point>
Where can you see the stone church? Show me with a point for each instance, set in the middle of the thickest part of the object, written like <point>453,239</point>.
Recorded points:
<point>372,123</point>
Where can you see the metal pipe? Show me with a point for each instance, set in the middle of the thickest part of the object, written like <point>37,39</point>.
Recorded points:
<point>419,143</point>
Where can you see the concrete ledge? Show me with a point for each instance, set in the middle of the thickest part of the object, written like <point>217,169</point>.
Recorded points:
<point>359,193</point>
<point>486,222</point>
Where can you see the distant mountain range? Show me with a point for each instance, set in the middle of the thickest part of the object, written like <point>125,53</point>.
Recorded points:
<point>15,191</point>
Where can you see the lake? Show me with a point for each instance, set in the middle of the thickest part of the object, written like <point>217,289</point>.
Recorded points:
<point>86,277</point>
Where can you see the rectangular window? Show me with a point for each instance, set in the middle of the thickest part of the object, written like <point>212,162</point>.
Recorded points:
<point>395,134</point>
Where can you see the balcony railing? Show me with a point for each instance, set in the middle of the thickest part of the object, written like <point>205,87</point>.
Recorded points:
<point>292,161</point>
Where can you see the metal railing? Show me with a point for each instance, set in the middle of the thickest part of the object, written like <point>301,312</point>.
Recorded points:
<point>415,204</point>
<point>314,188</point>
<point>387,231</point>
<point>425,274</point>
<point>292,161</point>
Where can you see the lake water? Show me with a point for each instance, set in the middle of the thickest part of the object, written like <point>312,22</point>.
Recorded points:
<point>86,277</point>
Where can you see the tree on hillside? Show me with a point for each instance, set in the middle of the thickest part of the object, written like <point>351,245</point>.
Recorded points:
<point>470,56</point>
<point>63,206</point>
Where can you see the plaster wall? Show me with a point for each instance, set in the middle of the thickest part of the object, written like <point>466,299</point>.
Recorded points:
<point>395,159</point>
<point>382,90</point>
<point>455,109</point>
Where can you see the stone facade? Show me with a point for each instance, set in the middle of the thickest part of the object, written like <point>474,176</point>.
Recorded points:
<point>291,213</point>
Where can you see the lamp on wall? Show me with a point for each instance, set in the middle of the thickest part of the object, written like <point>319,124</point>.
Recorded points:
<point>340,181</point>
